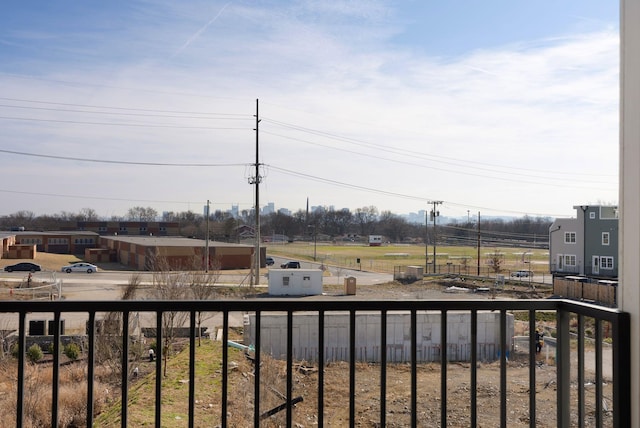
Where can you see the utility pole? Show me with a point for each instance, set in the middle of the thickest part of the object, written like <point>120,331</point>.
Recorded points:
<point>434,214</point>
<point>206,242</point>
<point>426,241</point>
<point>256,181</point>
<point>478,243</point>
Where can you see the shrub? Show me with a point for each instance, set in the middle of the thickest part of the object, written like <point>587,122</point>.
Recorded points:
<point>72,351</point>
<point>34,353</point>
<point>14,350</point>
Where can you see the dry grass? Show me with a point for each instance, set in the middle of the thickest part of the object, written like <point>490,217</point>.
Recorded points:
<point>53,262</point>
<point>37,395</point>
<point>384,258</point>
<point>46,260</point>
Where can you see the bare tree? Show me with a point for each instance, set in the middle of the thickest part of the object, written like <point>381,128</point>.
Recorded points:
<point>495,261</point>
<point>109,334</point>
<point>88,214</point>
<point>169,285</point>
<point>465,264</point>
<point>366,218</point>
<point>142,214</point>
<point>203,288</point>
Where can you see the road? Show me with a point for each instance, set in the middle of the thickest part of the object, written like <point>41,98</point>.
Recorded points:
<point>108,285</point>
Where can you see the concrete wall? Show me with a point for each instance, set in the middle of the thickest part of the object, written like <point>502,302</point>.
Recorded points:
<point>295,282</point>
<point>273,338</point>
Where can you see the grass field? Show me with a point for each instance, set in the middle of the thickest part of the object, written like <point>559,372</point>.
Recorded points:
<point>379,259</point>
<point>386,257</point>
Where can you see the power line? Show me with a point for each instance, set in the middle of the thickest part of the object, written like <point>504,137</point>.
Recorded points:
<point>175,115</point>
<point>387,159</point>
<point>413,153</point>
<point>237,115</point>
<point>282,170</point>
<point>120,162</point>
<point>138,125</point>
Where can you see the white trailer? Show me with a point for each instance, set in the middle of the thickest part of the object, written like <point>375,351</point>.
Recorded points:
<point>375,240</point>
<point>295,282</point>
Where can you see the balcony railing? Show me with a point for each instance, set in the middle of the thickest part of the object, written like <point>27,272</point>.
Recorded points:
<point>570,321</point>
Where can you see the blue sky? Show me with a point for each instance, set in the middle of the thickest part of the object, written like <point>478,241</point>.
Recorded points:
<point>500,107</point>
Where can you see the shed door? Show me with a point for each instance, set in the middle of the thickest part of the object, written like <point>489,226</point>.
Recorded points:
<point>595,265</point>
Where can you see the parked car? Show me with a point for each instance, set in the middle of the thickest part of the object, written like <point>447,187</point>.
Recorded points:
<point>23,267</point>
<point>269,261</point>
<point>80,267</point>
<point>290,265</point>
<point>522,274</point>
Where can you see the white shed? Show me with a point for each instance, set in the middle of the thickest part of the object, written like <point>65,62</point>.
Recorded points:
<point>295,282</point>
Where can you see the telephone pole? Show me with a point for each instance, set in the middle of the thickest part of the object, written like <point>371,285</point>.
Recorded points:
<point>478,243</point>
<point>206,243</point>
<point>255,180</point>
<point>426,241</point>
<point>434,213</point>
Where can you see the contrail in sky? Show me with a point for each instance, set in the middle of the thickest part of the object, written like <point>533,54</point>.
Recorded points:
<point>200,31</point>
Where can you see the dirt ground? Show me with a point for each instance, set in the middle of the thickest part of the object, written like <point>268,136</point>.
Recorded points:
<point>398,378</point>
<point>458,380</point>
<point>398,396</point>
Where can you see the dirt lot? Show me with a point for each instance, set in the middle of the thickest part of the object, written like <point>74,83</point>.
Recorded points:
<point>398,380</point>
<point>398,396</point>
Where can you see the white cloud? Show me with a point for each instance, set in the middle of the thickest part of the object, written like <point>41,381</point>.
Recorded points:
<point>528,127</point>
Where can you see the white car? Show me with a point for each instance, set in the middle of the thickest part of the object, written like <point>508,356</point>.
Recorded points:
<point>80,267</point>
<point>522,274</point>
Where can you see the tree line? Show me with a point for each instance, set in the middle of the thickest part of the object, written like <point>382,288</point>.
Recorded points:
<point>321,224</point>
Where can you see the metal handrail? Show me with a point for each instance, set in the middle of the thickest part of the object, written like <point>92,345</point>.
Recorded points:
<point>563,308</point>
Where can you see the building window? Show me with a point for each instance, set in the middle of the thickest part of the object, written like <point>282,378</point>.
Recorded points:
<point>605,238</point>
<point>31,241</point>
<point>592,215</point>
<point>123,228</point>
<point>143,228</point>
<point>163,228</point>
<point>569,237</point>
<point>83,241</point>
<point>285,281</point>
<point>569,260</point>
<point>606,263</point>
<point>102,229</point>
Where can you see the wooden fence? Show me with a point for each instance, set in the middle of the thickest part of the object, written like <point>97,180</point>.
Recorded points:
<point>601,292</point>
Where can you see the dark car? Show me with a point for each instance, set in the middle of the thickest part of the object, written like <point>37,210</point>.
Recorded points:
<point>269,261</point>
<point>23,267</point>
<point>290,265</point>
